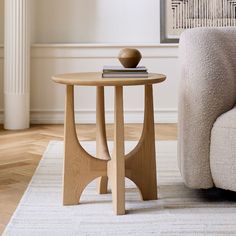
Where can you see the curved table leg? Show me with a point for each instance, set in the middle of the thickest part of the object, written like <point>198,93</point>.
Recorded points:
<point>79,167</point>
<point>116,166</point>
<point>141,162</point>
<point>101,139</point>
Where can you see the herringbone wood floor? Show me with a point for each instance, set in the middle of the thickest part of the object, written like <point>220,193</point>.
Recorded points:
<point>21,151</point>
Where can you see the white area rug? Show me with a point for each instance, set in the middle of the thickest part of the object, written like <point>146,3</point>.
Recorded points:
<point>179,211</point>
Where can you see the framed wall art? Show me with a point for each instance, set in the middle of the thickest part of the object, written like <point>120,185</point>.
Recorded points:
<point>178,15</point>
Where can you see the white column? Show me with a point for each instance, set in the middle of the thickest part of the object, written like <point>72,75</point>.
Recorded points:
<point>16,65</point>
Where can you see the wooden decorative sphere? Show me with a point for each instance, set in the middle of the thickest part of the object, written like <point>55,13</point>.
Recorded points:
<point>129,57</point>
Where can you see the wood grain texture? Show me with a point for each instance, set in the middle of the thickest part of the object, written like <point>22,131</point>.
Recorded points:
<point>101,138</point>
<point>80,168</point>
<point>141,162</point>
<point>139,165</point>
<point>20,152</point>
<point>95,79</point>
<point>77,162</point>
<point>116,166</point>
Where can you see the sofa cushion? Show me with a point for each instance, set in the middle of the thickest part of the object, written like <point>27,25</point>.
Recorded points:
<point>223,151</point>
<point>207,90</point>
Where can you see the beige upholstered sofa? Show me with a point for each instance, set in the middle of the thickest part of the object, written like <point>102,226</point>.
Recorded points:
<point>207,111</point>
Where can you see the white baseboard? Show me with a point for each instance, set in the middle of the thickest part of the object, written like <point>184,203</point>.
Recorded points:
<point>89,116</point>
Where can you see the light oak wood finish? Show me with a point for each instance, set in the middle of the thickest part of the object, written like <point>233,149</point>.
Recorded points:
<point>80,168</point>
<point>116,166</point>
<point>95,79</point>
<point>20,152</point>
<point>141,162</point>
<point>101,139</point>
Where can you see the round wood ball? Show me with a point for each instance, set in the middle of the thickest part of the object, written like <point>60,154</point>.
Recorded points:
<point>129,57</point>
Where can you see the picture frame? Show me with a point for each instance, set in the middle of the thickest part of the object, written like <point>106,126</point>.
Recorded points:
<point>179,15</point>
<point>164,37</point>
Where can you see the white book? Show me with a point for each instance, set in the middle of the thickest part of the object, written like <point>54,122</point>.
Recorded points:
<point>125,75</point>
<point>123,69</point>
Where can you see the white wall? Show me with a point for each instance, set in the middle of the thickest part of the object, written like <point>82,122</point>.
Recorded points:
<point>47,96</point>
<point>108,25</point>
<point>95,21</point>
<point>1,55</point>
<point>1,82</point>
<point>1,21</point>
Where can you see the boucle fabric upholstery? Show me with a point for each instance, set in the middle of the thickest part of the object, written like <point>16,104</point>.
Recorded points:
<point>207,90</point>
<point>223,151</point>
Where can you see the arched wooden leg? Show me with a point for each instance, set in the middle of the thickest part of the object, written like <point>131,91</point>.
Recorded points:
<point>79,167</point>
<point>101,140</point>
<point>116,166</point>
<point>141,162</point>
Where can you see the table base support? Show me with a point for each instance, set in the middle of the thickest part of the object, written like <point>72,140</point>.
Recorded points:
<point>80,168</point>
<point>141,162</point>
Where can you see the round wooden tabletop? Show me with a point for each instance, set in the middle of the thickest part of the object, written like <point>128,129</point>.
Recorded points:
<point>95,79</point>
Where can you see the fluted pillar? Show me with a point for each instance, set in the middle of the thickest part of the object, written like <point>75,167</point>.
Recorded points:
<point>16,65</point>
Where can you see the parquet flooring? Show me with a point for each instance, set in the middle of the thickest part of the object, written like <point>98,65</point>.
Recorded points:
<point>21,151</point>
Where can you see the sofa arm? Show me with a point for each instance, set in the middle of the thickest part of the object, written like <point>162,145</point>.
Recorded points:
<point>207,89</point>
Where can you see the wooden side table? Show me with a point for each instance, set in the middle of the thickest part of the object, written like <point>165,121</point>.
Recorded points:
<point>80,168</point>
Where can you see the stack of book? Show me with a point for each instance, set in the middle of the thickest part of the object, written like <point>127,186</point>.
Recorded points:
<point>122,72</point>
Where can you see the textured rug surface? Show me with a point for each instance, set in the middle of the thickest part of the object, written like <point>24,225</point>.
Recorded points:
<point>179,210</point>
